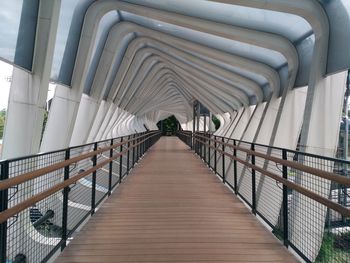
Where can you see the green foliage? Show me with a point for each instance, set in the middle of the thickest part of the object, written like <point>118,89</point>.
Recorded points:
<point>327,249</point>
<point>170,125</point>
<point>46,115</point>
<point>2,122</point>
<point>216,122</point>
<point>334,248</point>
<point>3,118</point>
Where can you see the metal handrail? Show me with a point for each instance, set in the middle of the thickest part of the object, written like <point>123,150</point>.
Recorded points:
<point>21,173</point>
<point>316,197</point>
<point>317,190</point>
<point>10,182</point>
<point>317,172</point>
<point>38,197</point>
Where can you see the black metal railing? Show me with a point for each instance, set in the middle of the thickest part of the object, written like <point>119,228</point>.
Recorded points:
<point>303,198</point>
<point>45,198</point>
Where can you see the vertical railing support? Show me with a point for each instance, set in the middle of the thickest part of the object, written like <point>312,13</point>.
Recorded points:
<point>65,203</point>
<point>110,174</point>
<point>141,145</point>
<point>93,194</point>
<point>128,157</point>
<point>133,151</point>
<point>200,149</point>
<point>3,206</point>
<point>144,144</point>
<point>285,201</point>
<point>235,167</point>
<point>205,148</point>
<point>223,160</point>
<point>194,142</point>
<point>194,128</point>
<point>138,148</point>
<point>121,161</point>
<point>209,145</point>
<point>253,181</point>
<point>147,143</point>
<point>198,144</point>
<point>190,140</point>
<point>215,155</point>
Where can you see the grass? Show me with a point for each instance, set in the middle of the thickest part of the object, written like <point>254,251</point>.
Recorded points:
<point>334,249</point>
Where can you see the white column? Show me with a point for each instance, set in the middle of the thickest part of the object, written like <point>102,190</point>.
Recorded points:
<point>61,118</point>
<point>28,93</point>
<point>322,139</point>
<point>101,116</point>
<point>27,101</point>
<point>86,116</point>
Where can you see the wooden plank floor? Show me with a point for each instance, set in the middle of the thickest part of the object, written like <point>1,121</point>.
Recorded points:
<point>173,209</point>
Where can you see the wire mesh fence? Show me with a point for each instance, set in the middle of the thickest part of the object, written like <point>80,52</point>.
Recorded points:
<point>46,197</point>
<point>303,198</point>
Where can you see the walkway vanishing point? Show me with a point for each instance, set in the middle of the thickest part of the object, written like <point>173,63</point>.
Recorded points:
<point>175,211</point>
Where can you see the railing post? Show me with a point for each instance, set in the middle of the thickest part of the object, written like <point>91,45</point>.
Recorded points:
<point>140,153</point>
<point>253,182</point>
<point>121,160</point>
<point>144,145</point>
<point>141,145</point>
<point>194,142</point>
<point>223,160</point>
<point>110,169</point>
<point>215,156</point>
<point>235,167</point>
<point>133,151</point>
<point>285,201</point>
<point>199,146</point>
<point>65,203</point>
<point>128,156</point>
<point>137,149</point>
<point>93,186</point>
<point>209,142</point>
<point>191,140</point>
<point>205,149</point>
<point>3,206</point>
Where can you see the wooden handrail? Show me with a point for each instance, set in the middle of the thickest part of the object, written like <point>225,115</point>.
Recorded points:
<point>10,182</point>
<point>316,197</point>
<point>307,169</point>
<point>38,197</point>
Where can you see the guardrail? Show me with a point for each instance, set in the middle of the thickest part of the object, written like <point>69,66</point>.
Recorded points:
<point>45,198</point>
<point>303,198</point>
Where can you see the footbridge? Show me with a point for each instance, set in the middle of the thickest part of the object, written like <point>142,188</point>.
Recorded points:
<point>174,131</point>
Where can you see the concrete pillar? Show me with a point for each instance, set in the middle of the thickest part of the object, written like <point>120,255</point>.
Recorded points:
<point>61,120</point>
<point>101,115</point>
<point>321,138</point>
<point>27,102</point>
<point>86,116</point>
<point>28,93</point>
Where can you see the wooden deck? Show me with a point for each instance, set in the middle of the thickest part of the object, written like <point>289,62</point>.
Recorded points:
<point>173,209</point>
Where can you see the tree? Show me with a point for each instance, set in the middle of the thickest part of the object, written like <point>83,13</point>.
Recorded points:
<point>216,122</point>
<point>2,122</point>
<point>46,115</point>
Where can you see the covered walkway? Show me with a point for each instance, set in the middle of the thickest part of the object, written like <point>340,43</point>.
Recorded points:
<point>259,89</point>
<point>173,209</point>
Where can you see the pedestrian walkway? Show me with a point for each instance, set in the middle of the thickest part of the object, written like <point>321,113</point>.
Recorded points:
<point>171,208</point>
